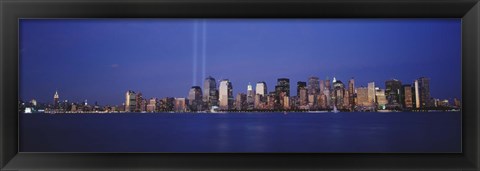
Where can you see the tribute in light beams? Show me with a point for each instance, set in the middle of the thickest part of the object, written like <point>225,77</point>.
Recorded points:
<point>203,50</point>
<point>194,69</point>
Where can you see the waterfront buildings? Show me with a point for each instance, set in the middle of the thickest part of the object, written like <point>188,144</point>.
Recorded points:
<point>410,97</point>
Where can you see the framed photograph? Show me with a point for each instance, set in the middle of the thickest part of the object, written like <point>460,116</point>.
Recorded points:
<point>240,85</point>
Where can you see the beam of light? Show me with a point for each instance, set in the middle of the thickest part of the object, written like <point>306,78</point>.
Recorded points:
<point>194,69</point>
<point>204,49</point>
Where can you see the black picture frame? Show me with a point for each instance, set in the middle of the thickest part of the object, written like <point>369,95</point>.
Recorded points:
<point>12,10</point>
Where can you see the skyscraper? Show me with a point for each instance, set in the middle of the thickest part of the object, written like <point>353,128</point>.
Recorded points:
<point>56,99</point>
<point>250,97</point>
<point>313,86</point>
<point>261,88</point>
<point>424,88</point>
<point>381,99</point>
<point>417,94</point>
<point>139,102</point>
<point>407,96</point>
<point>362,96</point>
<point>225,95</point>
<point>300,84</point>
<point>284,85</point>
<point>371,92</point>
<point>393,89</point>
<point>195,102</point>
<point>210,92</point>
<point>351,92</point>
<point>282,89</point>
<point>130,101</point>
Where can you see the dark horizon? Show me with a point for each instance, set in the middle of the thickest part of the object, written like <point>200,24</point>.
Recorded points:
<point>100,59</point>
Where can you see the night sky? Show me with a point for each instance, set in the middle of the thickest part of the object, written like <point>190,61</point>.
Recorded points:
<point>100,59</point>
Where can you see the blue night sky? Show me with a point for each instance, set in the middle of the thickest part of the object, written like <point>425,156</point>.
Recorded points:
<point>100,59</point>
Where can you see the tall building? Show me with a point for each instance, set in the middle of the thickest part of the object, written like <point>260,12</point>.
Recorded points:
<point>371,92</point>
<point>284,85</point>
<point>303,96</point>
<point>313,86</point>
<point>250,97</point>
<point>225,95</point>
<point>424,88</point>
<point>210,92</point>
<point>130,101</point>
<point>241,101</point>
<point>328,84</point>
<point>351,92</point>
<point>417,94</point>
<point>407,96</point>
<point>393,89</point>
<point>300,85</point>
<point>195,102</point>
<point>381,99</point>
<point>56,100</point>
<point>139,102</point>
<point>338,92</point>
<point>261,88</point>
<point>362,97</point>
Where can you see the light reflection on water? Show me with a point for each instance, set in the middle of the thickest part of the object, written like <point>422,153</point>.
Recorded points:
<point>295,132</point>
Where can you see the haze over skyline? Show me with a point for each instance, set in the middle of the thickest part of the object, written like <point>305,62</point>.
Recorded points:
<point>100,59</point>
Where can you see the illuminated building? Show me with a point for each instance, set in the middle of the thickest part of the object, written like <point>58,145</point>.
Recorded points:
<point>313,86</point>
<point>139,102</point>
<point>371,92</point>
<point>381,99</point>
<point>407,96</point>
<point>393,89</point>
<point>56,100</point>
<point>225,95</point>
<point>261,88</point>
<point>180,105</point>
<point>300,85</point>
<point>417,94</point>
<point>302,97</point>
<point>351,92</point>
<point>241,101</point>
<point>195,102</point>
<point>167,104</point>
<point>152,105</point>
<point>250,97</point>
<point>210,92</point>
<point>130,101</point>
<point>424,92</point>
<point>283,85</point>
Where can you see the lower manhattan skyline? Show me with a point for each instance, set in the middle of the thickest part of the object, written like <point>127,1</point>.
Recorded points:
<point>99,60</point>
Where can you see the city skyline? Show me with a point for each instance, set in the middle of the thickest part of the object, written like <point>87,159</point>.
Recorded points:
<point>85,65</point>
<point>317,95</point>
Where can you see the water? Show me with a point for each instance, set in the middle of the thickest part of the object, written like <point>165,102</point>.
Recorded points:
<point>242,132</point>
